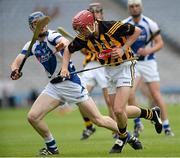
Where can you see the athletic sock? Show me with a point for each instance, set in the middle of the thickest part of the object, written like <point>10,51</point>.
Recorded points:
<point>51,144</point>
<point>146,113</point>
<point>137,121</point>
<point>123,132</point>
<point>88,123</point>
<point>166,125</point>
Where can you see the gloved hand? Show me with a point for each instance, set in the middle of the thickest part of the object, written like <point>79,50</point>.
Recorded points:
<point>15,74</point>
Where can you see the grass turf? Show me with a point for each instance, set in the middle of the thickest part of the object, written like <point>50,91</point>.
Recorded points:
<point>18,139</point>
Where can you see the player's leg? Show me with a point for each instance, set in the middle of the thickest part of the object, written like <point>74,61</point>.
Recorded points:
<point>138,112</point>
<point>90,129</point>
<point>119,108</point>
<point>151,77</point>
<point>138,126</point>
<point>145,92</point>
<point>90,109</point>
<point>149,114</point>
<point>134,112</point>
<point>43,104</point>
<point>109,104</point>
<point>89,81</point>
<point>120,82</point>
<point>100,78</point>
<point>154,88</point>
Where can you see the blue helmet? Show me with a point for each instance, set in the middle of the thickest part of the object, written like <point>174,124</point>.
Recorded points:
<point>34,16</point>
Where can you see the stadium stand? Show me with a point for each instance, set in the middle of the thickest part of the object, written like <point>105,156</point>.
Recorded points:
<point>14,33</point>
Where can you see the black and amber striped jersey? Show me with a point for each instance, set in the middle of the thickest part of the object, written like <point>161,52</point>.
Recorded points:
<point>111,34</point>
<point>89,56</point>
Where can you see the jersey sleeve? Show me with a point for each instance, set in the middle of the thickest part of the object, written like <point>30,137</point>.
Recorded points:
<point>76,45</point>
<point>124,29</point>
<point>25,48</point>
<point>54,37</point>
<point>153,26</point>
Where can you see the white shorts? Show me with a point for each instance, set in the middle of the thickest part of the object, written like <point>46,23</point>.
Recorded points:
<point>148,70</point>
<point>67,91</point>
<point>120,76</point>
<point>95,77</point>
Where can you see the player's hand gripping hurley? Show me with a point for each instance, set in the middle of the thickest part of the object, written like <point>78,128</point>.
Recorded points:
<point>68,35</point>
<point>59,78</point>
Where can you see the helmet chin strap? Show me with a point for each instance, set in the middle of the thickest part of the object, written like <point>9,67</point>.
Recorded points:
<point>91,30</point>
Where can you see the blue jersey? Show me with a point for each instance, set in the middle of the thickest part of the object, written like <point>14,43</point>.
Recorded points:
<point>46,54</point>
<point>148,28</point>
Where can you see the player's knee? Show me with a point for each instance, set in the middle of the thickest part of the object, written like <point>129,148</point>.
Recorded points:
<point>156,95</point>
<point>118,111</point>
<point>32,117</point>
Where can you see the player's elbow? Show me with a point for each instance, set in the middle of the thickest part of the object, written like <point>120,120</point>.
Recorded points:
<point>161,44</point>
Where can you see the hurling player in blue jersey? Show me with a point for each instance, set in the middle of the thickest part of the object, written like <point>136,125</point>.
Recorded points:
<point>147,65</point>
<point>49,49</point>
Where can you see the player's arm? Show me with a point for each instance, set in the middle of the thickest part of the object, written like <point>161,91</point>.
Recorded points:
<point>66,59</point>
<point>130,32</point>
<point>157,45</point>
<point>57,40</point>
<point>157,41</point>
<point>74,46</point>
<point>61,44</point>
<point>15,74</point>
<point>131,38</point>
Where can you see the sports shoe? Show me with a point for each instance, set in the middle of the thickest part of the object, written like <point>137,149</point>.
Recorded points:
<point>45,152</point>
<point>134,143</point>
<point>87,133</point>
<point>156,119</point>
<point>118,146</point>
<point>131,140</point>
<point>168,132</point>
<point>138,127</point>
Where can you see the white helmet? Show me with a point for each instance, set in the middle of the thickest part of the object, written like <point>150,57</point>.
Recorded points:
<point>131,2</point>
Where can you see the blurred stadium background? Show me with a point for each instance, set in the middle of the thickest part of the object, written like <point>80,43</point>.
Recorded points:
<point>14,31</point>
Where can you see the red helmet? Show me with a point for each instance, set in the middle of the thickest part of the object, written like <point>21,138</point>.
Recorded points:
<point>83,21</point>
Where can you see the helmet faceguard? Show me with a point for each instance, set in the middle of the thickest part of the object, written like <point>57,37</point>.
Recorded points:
<point>84,23</point>
<point>33,19</point>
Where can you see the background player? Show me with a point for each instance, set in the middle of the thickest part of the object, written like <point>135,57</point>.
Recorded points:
<point>147,66</point>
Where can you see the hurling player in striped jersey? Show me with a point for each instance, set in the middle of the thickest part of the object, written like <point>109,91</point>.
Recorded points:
<point>111,41</point>
<point>96,77</point>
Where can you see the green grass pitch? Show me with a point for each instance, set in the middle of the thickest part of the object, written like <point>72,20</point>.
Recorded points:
<point>18,139</point>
